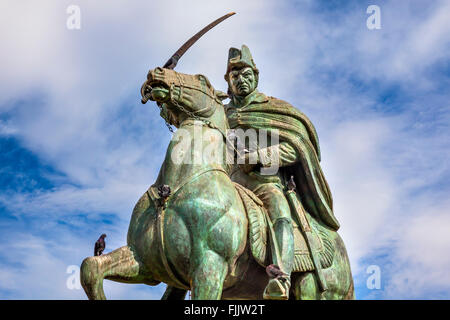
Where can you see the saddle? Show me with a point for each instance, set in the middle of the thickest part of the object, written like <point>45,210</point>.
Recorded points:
<point>258,236</point>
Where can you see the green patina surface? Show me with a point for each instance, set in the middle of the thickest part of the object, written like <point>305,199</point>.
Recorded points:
<point>210,237</point>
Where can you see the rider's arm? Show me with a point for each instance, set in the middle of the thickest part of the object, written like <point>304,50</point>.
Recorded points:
<point>285,153</point>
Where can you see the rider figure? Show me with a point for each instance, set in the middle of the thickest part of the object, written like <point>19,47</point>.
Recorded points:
<point>242,78</point>
<point>297,153</point>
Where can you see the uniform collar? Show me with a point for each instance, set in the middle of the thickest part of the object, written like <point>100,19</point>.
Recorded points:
<point>254,97</point>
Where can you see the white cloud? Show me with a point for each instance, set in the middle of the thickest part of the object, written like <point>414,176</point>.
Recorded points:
<point>420,263</point>
<point>411,40</point>
<point>364,192</point>
<point>7,129</point>
<point>37,269</point>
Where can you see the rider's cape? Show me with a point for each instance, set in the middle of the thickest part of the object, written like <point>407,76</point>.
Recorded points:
<point>294,127</point>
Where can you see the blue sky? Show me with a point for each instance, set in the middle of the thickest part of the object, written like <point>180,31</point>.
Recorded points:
<point>77,149</point>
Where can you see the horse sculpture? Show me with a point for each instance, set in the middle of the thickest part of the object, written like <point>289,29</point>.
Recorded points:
<point>194,228</point>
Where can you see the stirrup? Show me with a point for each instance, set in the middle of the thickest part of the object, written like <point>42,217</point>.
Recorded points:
<point>277,289</point>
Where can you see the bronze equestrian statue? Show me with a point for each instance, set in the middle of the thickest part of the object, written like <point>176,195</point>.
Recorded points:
<point>224,208</point>
<point>297,154</point>
<point>210,234</point>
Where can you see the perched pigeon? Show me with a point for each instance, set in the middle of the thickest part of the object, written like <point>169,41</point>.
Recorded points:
<point>100,245</point>
<point>291,184</point>
<point>274,272</point>
<point>164,191</point>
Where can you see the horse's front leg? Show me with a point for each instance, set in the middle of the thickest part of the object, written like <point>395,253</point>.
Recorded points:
<point>119,265</point>
<point>173,293</point>
<point>208,276</point>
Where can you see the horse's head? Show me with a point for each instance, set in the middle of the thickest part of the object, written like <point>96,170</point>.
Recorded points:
<point>179,95</point>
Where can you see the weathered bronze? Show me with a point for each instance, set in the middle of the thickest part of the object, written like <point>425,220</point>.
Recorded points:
<point>211,225</point>
<point>173,60</point>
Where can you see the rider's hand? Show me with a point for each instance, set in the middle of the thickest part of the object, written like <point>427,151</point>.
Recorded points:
<point>183,97</point>
<point>246,168</point>
<point>248,162</point>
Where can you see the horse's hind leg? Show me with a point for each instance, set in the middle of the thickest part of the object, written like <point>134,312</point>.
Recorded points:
<point>208,277</point>
<point>306,287</point>
<point>119,265</point>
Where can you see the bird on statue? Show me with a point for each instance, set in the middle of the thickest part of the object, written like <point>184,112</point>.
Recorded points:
<point>164,191</point>
<point>291,184</point>
<point>274,272</point>
<point>100,245</point>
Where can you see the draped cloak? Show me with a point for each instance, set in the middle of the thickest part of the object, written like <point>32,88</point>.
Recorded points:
<point>295,128</point>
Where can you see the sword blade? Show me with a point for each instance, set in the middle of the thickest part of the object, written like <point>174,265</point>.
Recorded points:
<point>172,62</point>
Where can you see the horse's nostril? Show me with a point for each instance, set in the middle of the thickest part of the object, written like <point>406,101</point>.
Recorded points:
<point>146,92</point>
<point>145,99</point>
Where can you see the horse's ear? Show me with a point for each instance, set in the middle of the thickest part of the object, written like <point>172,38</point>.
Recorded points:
<point>204,78</point>
<point>221,95</point>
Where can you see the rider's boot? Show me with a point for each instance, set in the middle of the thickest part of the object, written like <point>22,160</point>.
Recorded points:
<point>278,288</point>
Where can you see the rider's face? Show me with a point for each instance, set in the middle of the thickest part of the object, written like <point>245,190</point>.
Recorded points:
<point>242,81</point>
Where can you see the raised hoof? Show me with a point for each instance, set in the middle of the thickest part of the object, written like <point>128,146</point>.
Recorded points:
<point>277,290</point>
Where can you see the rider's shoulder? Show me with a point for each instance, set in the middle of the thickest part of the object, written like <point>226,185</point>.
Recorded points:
<point>278,102</point>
